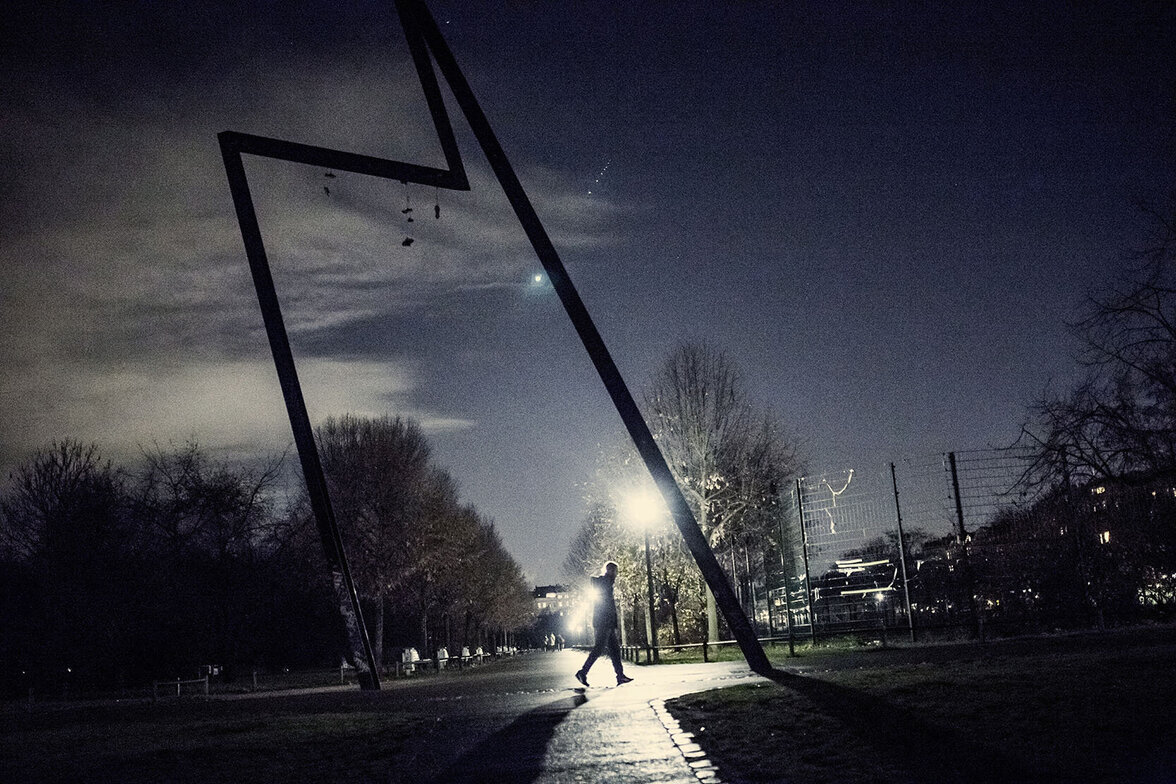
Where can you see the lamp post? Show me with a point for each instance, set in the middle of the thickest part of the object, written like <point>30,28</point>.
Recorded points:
<point>644,508</point>
<point>652,604</point>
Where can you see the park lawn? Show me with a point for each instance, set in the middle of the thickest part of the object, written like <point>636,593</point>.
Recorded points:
<point>999,715</point>
<point>248,741</point>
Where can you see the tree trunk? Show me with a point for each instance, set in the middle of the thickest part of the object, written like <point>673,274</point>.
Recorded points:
<point>712,617</point>
<point>378,641</point>
<point>712,607</point>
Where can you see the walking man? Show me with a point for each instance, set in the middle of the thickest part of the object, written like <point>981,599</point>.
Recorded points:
<point>604,622</point>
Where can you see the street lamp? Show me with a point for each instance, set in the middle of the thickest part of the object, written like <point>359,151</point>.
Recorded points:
<point>645,508</point>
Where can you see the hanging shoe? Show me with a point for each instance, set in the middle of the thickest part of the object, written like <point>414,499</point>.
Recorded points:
<point>582,677</point>
<point>622,679</point>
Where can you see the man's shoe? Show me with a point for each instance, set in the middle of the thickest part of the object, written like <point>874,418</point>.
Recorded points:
<point>623,679</point>
<point>582,677</point>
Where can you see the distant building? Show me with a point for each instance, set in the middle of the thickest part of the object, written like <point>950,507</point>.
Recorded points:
<point>552,600</point>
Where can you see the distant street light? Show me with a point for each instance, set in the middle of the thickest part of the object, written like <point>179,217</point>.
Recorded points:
<point>644,508</point>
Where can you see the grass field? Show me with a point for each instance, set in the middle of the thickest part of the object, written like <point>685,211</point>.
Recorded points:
<point>1082,708</point>
<point>1089,708</point>
<point>334,737</point>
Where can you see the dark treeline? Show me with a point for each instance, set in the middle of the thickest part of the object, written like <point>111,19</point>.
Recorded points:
<point>116,575</point>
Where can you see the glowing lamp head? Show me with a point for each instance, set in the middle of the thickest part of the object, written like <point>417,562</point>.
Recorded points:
<point>644,507</point>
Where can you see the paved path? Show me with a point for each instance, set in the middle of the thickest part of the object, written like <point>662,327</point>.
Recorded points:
<point>526,719</point>
<point>621,734</point>
<point>603,733</point>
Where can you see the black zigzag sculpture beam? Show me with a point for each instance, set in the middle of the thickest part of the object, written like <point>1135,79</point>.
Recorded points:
<point>424,39</point>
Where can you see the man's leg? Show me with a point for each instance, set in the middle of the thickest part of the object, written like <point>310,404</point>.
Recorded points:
<point>614,653</point>
<point>598,647</point>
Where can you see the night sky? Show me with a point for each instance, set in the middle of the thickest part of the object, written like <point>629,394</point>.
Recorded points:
<point>884,212</point>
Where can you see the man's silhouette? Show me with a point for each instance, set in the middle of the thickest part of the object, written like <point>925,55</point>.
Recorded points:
<point>604,621</point>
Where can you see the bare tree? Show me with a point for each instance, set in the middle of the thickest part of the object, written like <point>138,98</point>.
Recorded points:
<point>1121,419</point>
<point>64,533</point>
<point>56,498</point>
<point>194,503</point>
<point>207,528</point>
<point>378,471</point>
<point>725,454</point>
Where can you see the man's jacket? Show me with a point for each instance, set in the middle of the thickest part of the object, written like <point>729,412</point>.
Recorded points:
<point>604,611</point>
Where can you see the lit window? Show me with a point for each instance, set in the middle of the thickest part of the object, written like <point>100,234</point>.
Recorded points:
<point>1105,537</point>
<point>1099,490</point>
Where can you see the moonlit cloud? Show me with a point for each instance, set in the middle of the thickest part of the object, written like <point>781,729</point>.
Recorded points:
<point>130,315</point>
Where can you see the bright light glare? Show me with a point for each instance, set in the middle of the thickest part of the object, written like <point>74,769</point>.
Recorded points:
<point>644,507</point>
<point>538,278</point>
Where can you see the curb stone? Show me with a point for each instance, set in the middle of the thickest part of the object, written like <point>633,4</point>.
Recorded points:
<point>702,768</point>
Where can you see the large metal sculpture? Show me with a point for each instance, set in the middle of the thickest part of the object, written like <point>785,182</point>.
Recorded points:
<point>424,39</point>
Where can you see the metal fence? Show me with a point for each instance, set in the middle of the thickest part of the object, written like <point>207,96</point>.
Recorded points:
<point>962,540</point>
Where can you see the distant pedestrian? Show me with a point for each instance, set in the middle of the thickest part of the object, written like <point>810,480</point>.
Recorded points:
<point>559,642</point>
<point>604,622</point>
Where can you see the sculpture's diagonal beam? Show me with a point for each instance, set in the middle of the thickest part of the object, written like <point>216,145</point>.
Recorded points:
<point>413,34</point>
<point>424,37</point>
<point>413,13</point>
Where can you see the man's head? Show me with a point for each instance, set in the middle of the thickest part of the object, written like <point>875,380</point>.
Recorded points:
<point>610,569</point>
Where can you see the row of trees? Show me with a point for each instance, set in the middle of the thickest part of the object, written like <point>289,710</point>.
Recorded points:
<point>112,575</point>
<point>433,565</point>
<point>729,456</point>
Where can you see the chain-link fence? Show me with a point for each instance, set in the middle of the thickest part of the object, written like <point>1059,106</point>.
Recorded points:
<point>963,540</point>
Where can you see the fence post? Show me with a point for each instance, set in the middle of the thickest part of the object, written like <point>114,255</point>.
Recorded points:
<point>771,618</point>
<point>962,538</point>
<point>906,590</point>
<point>808,588</point>
<point>785,547</point>
<point>751,593</point>
<point>788,619</point>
